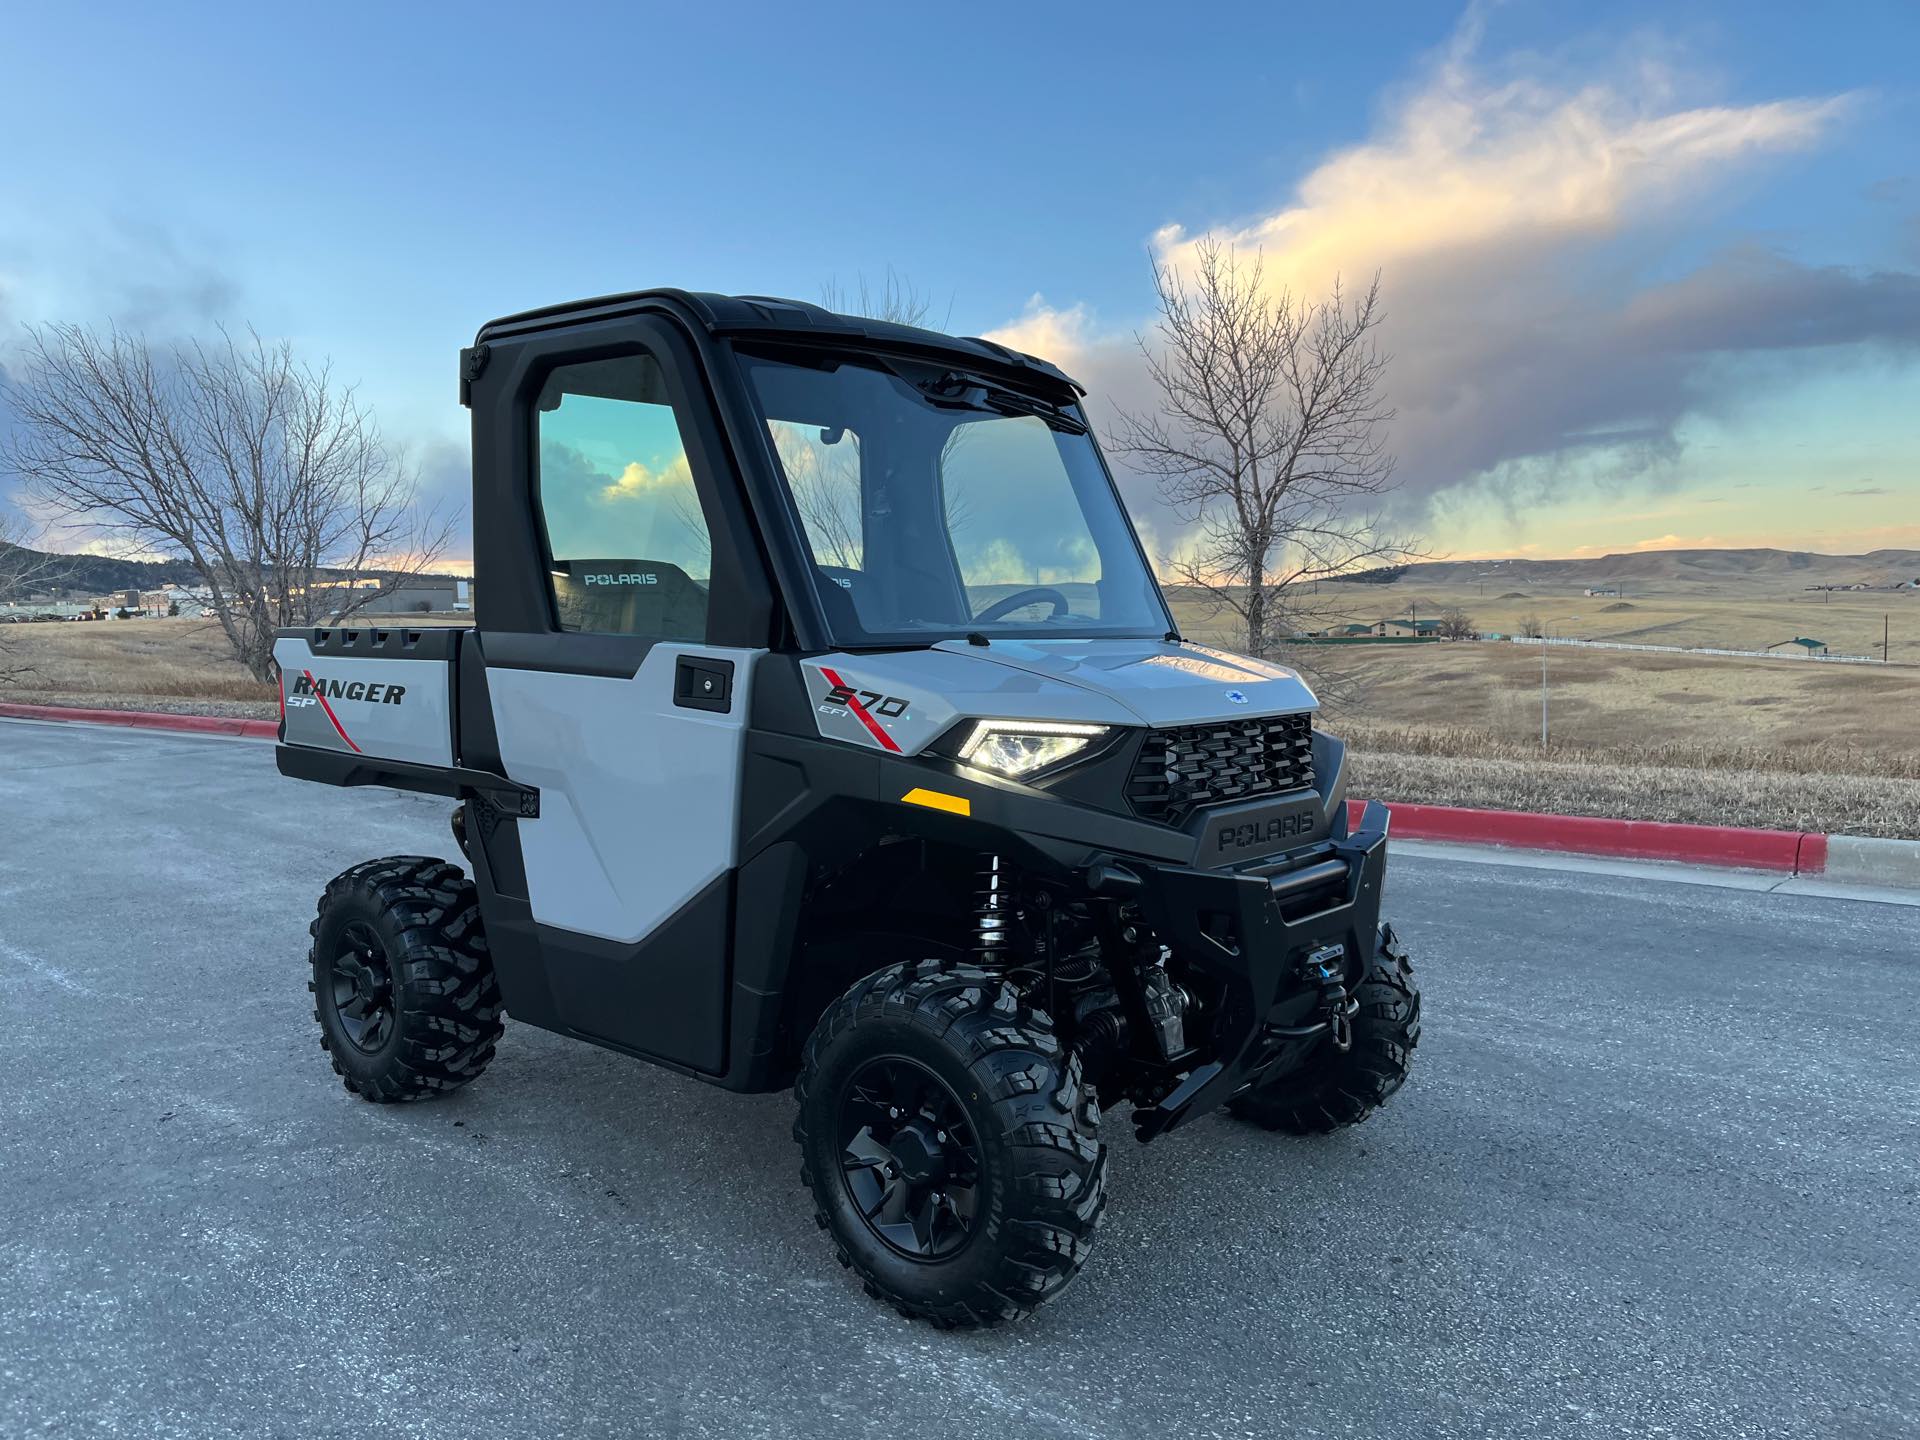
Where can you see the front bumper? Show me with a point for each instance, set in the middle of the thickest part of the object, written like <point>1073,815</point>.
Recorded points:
<point>1249,929</point>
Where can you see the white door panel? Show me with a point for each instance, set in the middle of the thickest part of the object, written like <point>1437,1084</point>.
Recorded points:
<point>638,796</point>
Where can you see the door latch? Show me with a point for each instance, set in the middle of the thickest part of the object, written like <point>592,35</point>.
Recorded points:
<point>703,683</point>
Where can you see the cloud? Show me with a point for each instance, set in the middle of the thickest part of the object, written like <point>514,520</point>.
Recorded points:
<point>1524,220</point>
<point>1868,490</point>
<point>1470,164</point>
<point>638,481</point>
<point>1047,331</point>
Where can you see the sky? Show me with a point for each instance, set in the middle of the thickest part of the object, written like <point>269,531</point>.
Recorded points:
<point>1651,273</point>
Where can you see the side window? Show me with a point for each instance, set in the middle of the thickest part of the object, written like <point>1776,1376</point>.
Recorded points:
<point>627,542</point>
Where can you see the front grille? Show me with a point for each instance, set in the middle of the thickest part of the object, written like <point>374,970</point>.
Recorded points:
<point>1179,771</point>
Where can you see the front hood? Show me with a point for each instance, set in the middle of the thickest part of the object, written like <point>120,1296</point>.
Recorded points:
<point>1162,683</point>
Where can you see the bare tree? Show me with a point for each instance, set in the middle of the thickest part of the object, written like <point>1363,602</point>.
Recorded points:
<point>1268,437</point>
<point>1456,624</point>
<point>895,300</point>
<point>1531,627</point>
<point>22,571</point>
<point>265,474</point>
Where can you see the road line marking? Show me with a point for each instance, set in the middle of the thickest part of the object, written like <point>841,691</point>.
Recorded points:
<point>45,969</point>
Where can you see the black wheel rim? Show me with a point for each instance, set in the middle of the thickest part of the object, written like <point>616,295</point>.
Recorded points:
<point>910,1158</point>
<point>363,989</point>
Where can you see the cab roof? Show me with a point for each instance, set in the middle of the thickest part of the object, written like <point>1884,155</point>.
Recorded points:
<point>771,318</point>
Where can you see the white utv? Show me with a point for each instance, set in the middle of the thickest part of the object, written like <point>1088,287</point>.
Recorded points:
<point>822,725</point>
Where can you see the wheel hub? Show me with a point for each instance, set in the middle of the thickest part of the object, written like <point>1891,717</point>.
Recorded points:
<point>919,1156</point>
<point>909,1158</point>
<point>363,989</point>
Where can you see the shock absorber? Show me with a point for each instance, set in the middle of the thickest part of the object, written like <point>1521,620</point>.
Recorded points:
<point>991,913</point>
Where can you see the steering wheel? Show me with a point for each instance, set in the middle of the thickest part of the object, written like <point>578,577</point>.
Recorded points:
<point>1033,595</point>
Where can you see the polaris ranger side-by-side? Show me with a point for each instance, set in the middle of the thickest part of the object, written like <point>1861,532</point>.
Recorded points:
<point>823,725</point>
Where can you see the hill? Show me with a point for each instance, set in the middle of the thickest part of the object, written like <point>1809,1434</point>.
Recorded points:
<point>94,574</point>
<point>1676,567</point>
<point>91,575</point>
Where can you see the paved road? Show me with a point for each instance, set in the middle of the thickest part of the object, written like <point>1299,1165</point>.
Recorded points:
<point>1656,1175</point>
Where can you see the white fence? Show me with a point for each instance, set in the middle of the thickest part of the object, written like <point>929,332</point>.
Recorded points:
<point>1797,653</point>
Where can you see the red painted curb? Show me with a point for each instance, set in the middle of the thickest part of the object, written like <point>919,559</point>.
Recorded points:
<point>146,720</point>
<point>1813,855</point>
<point>1789,850</point>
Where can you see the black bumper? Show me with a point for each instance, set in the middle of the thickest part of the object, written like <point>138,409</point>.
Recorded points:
<point>1249,930</point>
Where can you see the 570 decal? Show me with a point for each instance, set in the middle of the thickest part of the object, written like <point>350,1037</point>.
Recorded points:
<point>869,707</point>
<point>887,707</point>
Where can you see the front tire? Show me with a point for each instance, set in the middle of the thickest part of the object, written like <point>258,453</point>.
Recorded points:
<point>403,986</point>
<point>1335,1088</point>
<point>949,1144</point>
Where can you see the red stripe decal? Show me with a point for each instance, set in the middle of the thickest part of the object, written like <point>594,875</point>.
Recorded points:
<point>866,718</point>
<point>321,697</point>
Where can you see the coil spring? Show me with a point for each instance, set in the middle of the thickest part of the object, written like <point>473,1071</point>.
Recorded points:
<point>990,913</point>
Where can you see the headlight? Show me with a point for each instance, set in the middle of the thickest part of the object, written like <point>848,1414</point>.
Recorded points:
<point>1020,747</point>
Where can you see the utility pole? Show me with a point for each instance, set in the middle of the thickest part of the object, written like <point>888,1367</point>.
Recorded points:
<point>1544,629</point>
<point>1543,687</point>
<point>1886,632</point>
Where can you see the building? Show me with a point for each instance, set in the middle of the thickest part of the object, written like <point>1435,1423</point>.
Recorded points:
<point>416,595</point>
<point>423,595</point>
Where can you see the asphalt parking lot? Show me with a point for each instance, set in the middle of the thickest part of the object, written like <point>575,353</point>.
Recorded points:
<point>1657,1173</point>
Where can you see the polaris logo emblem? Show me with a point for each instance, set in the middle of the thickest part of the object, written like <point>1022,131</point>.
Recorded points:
<point>643,579</point>
<point>1238,697</point>
<point>1266,832</point>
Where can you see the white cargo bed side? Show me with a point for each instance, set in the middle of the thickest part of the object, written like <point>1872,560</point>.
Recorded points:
<point>385,694</point>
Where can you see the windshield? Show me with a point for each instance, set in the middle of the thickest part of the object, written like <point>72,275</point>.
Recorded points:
<point>937,505</point>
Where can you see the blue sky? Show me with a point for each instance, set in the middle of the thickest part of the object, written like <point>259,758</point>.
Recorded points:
<point>1684,249</point>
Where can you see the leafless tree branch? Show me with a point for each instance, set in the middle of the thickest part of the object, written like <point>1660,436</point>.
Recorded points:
<point>265,474</point>
<point>23,571</point>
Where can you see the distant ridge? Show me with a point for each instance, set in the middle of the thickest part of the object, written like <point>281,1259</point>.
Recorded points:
<point>1876,567</point>
<point>93,575</point>
<point>100,574</point>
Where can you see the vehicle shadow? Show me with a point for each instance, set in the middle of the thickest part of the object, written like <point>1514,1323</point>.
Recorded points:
<point>1219,1214</point>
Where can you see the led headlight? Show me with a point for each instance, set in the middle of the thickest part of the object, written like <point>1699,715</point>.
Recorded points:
<point>1020,747</point>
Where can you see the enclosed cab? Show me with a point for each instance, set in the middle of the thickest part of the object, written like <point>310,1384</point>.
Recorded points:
<point>822,719</point>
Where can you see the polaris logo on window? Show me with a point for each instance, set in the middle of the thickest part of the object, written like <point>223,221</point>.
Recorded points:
<point>644,579</point>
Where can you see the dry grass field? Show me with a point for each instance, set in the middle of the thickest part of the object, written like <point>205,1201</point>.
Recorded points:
<point>1787,744</point>
<point>1640,706</point>
<point>1750,616</point>
<point>174,665</point>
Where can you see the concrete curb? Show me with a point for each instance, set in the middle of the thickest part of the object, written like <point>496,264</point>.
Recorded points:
<point>1863,860</point>
<point>145,720</point>
<point>1847,859</point>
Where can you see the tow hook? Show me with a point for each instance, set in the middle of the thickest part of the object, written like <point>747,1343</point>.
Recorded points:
<point>1326,967</point>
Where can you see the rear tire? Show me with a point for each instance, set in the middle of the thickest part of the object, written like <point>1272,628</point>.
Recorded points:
<point>1334,1088</point>
<point>990,1107</point>
<point>403,986</point>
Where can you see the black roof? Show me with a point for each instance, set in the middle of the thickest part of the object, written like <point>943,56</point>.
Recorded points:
<point>769,317</point>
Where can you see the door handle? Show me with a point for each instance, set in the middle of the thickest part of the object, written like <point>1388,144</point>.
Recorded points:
<point>702,682</point>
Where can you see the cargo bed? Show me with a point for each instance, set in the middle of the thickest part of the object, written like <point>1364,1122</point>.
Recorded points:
<point>380,707</point>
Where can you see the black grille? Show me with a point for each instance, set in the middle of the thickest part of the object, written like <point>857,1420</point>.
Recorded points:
<point>1179,771</point>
